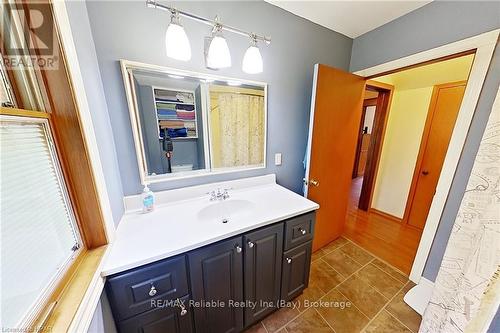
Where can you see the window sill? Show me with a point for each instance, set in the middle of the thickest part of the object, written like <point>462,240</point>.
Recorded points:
<point>75,307</point>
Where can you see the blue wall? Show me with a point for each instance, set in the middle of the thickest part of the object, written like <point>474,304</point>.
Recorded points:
<point>87,59</point>
<point>129,30</point>
<point>433,25</point>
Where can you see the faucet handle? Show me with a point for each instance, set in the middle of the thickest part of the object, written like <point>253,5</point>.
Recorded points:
<point>213,195</point>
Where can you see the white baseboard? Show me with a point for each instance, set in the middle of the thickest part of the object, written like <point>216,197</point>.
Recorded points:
<point>419,296</point>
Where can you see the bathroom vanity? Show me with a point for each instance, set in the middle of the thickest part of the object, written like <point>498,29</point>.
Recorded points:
<point>196,264</point>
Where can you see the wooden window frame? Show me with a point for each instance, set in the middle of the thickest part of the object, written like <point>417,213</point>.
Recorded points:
<point>67,130</point>
<point>70,142</point>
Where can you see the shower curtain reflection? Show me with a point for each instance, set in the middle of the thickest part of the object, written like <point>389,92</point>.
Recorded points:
<point>237,121</point>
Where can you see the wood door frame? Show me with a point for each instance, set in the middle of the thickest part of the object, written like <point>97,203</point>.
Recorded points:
<point>384,100</point>
<point>366,103</point>
<point>484,46</point>
<point>423,144</point>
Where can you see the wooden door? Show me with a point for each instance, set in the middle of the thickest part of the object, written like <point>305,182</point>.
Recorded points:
<point>363,153</point>
<point>443,111</point>
<point>337,114</point>
<point>217,276</point>
<point>262,267</point>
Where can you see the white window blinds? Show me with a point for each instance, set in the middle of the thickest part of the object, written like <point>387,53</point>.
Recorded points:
<point>37,225</point>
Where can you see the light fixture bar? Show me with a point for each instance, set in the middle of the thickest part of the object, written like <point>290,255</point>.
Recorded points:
<point>154,4</point>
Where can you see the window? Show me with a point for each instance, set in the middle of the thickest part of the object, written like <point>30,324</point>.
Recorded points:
<point>39,235</point>
<point>46,185</point>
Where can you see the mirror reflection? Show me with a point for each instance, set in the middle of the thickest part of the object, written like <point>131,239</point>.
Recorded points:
<point>237,121</point>
<point>189,123</point>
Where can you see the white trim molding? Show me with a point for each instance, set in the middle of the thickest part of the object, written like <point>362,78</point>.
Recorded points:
<point>419,296</point>
<point>75,76</point>
<point>311,127</point>
<point>484,44</point>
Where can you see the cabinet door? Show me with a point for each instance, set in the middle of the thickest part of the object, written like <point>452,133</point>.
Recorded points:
<point>263,253</point>
<point>217,283</point>
<point>171,319</point>
<point>296,265</point>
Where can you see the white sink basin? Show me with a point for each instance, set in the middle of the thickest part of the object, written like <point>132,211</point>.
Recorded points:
<point>226,210</point>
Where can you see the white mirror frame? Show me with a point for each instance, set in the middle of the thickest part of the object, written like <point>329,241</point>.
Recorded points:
<point>127,65</point>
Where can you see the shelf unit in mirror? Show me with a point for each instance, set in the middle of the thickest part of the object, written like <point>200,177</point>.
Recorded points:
<point>176,113</point>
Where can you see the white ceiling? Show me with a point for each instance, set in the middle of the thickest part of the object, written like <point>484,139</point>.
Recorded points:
<point>351,18</point>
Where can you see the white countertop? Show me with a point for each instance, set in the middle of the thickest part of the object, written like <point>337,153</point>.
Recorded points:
<point>176,227</point>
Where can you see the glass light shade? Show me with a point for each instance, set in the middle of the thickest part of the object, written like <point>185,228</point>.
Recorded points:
<point>218,53</point>
<point>252,61</point>
<point>177,43</point>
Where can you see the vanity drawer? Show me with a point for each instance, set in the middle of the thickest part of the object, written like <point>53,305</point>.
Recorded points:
<point>131,292</point>
<point>299,230</point>
<point>167,318</point>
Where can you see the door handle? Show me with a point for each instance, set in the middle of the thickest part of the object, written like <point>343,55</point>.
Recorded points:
<point>314,182</point>
<point>425,172</point>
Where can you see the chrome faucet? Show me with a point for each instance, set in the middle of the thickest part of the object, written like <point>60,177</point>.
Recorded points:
<point>219,195</point>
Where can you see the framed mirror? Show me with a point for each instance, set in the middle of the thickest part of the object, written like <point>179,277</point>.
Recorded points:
<point>188,124</point>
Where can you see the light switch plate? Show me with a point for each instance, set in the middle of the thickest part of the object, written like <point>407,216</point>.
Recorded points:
<point>277,159</point>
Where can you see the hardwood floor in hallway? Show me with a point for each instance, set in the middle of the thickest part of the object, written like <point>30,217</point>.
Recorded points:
<point>391,241</point>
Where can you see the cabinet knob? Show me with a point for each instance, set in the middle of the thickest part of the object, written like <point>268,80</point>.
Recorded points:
<point>250,244</point>
<point>303,231</point>
<point>152,291</point>
<point>238,249</point>
<point>289,260</point>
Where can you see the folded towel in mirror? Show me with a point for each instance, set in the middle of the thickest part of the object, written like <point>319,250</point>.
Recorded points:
<point>185,114</point>
<point>185,107</point>
<point>177,132</point>
<point>171,124</point>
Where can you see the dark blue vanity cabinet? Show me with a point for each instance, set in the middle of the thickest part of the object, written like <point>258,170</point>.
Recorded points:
<point>222,287</point>
<point>152,298</point>
<point>217,279</point>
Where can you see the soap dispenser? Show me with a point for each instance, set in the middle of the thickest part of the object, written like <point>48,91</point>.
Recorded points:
<point>148,200</point>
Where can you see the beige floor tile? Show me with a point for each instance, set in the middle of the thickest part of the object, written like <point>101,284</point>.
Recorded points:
<point>386,323</point>
<point>280,318</point>
<point>390,270</point>
<point>357,253</point>
<point>364,296</point>
<point>317,255</point>
<point>334,245</point>
<point>308,322</point>
<point>341,262</point>
<point>380,280</point>
<point>310,294</point>
<point>324,276</point>
<point>399,309</point>
<point>343,319</point>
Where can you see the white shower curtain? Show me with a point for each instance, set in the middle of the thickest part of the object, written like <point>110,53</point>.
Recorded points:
<point>241,121</point>
<point>472,256</point>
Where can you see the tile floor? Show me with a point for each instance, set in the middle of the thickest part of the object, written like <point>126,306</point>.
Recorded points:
<point>353,292</point>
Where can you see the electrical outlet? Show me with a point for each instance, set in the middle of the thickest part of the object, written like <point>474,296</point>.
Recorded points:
<point>277,159</point>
